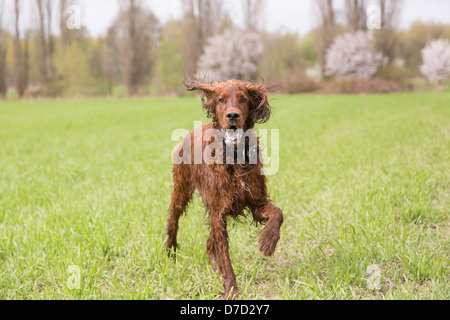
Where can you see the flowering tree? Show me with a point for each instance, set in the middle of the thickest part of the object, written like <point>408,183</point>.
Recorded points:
<point>235,54</point>
<point>436,60</point>
<point>354,56</point>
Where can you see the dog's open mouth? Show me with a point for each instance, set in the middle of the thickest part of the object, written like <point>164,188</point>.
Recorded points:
<point>232,135</point>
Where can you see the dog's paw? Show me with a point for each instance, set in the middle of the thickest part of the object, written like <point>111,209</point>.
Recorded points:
<point>171,250</point>
<point>231,293</point>
<point>267,241</point>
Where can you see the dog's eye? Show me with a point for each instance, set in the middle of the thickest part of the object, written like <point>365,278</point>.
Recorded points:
<point>222,100</point>
<point>243,100</point>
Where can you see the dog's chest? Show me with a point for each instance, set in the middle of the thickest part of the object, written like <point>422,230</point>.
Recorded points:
<point>229,179</point>
<point>228,185</point>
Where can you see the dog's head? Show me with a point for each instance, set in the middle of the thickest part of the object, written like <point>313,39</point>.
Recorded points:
<point>233,105</point>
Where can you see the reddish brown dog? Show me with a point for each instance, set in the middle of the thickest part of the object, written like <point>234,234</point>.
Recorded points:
<point>227,190</point>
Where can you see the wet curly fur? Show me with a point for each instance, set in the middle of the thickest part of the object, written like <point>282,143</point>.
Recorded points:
<point>227,190</point>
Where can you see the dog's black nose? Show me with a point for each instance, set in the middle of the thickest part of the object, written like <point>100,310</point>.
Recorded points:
<point>233,115</point>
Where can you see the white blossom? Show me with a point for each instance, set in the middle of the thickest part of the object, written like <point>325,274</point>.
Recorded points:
<point>354,56</point>
<point>235,54</point>
<point>436,60</point>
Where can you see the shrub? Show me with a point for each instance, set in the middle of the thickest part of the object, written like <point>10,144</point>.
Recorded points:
<point>296,82</point>
<point>360,86</point>
<point>353,55</point>
<point>393,71</point>
<point>235,54</point>
<point>436,60</point>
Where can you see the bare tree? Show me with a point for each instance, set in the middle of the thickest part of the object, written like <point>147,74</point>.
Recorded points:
<point>253,11</point>
<point>110,60</point>
<point>356,16</point>
<point>201,19</point>
<point>26,59</point>
<point>355,11</point>
<point>326,31</point>
<point>390,10</point>
<point>386,36</point>
<point>45,43</point>
<point>51,6</point>
<point>67,35</point>
<point>18,59</point>
<point>3,86</point>
<point>64,31</point>
<point>136,32</point>
<point>42,44</point>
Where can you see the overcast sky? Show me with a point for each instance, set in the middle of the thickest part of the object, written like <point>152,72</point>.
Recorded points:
<point>298,16</point>
<point>281,15</point>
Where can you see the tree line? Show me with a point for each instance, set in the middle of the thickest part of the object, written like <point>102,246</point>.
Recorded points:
<point>141,55</point>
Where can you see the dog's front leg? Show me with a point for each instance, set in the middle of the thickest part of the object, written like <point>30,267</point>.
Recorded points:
<point>219,236</point>
<point>269,236</point>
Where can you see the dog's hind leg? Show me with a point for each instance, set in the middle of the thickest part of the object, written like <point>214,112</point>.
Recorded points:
<point>181,196</point>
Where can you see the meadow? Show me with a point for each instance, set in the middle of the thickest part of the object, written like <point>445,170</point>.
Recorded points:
<point>364,184</point>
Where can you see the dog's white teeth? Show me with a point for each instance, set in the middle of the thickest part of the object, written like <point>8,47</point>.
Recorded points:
<point>232,137</point>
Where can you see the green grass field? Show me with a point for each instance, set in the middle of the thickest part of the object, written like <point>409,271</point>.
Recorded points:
<point>363,180</point>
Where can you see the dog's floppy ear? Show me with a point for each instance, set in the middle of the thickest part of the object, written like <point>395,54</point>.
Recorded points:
<point>207,91</point>
<point>260,109</point>
<point>196,85</point>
